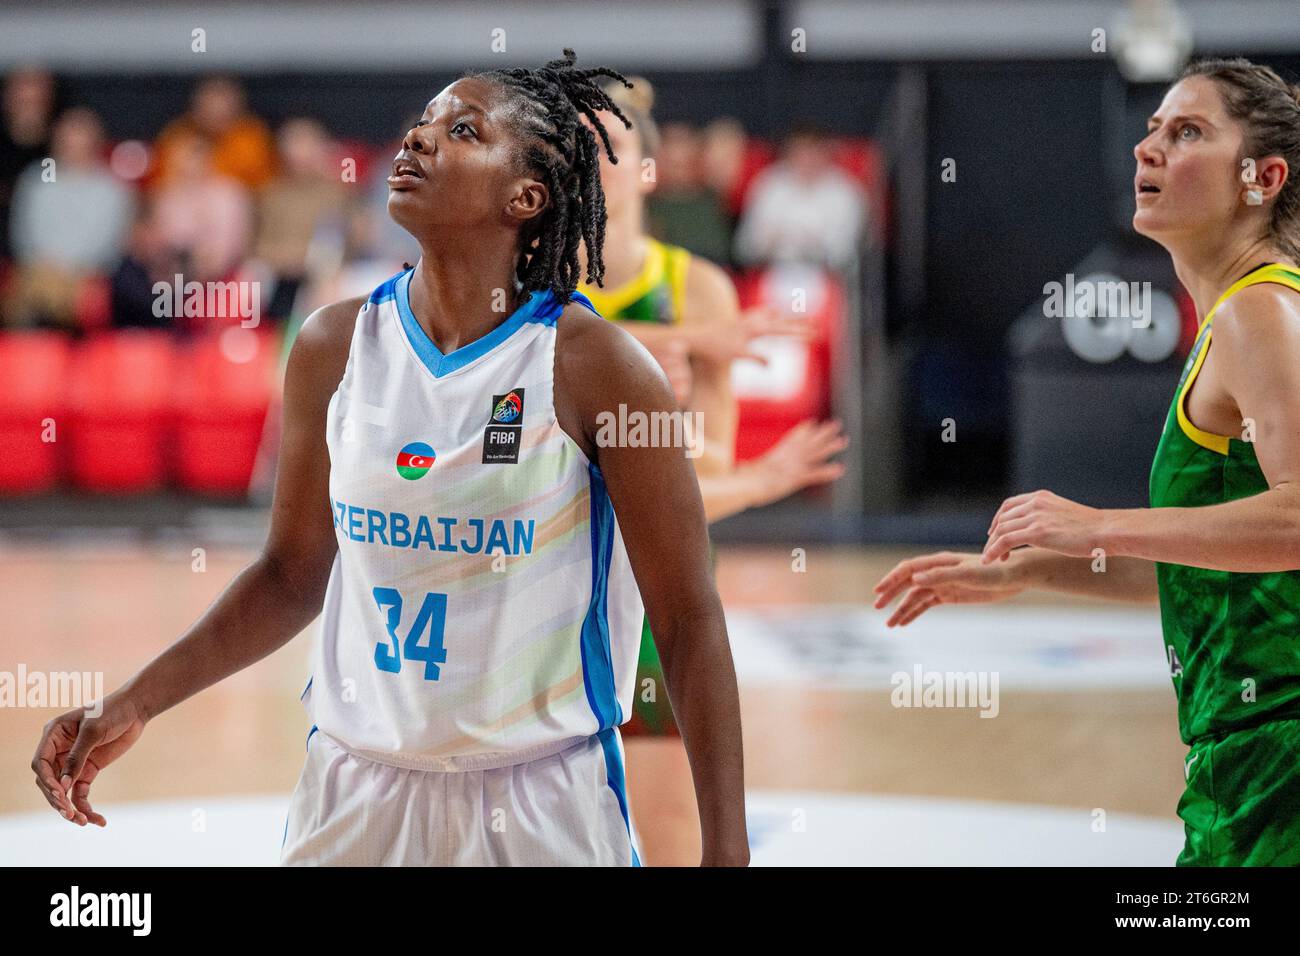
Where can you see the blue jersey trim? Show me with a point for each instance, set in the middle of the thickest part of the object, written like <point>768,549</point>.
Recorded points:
<point>597,664</point>
<point>384,292</point>
<point>540,307</point>
<point>614,777</point>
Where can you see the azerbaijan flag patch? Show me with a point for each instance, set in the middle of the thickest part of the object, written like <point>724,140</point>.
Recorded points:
<point>415,460</point>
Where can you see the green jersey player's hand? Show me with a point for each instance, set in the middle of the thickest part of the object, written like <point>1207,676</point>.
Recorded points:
<point>947,577</point>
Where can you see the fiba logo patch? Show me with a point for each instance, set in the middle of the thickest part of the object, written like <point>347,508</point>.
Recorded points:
<point>415,459</point>
<point>507,409</point>
<point>502,436</point>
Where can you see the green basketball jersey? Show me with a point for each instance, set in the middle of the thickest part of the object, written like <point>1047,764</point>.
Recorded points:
<point>1232,639</point>
<point>656,294</point>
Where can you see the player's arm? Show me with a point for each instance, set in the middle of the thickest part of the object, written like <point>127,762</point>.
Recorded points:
<point>264,607</point>
<point>949,577</point>
<point>653,335</point>
<point>800,459</point>
<point>718,342</point>
<point>657,502</point>
<point>282,590</point>
<point>711,303</point>
<point>1257,354</point>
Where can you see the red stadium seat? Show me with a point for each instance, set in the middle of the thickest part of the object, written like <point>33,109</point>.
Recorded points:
<point>864,161</point>
<point>94,304</point>
<point>225,388</point>
<point>861,159</point>
<point>33,402</point>
<point>759,154</point>
<point>121,387</point>
<point>795,385</point>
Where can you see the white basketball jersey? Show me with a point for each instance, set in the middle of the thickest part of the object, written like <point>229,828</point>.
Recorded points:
<point>481,610</point>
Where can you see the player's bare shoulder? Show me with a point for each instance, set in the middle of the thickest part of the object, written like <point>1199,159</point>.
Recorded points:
<point>320,350</point>
<point>598,365</point>
<point>1258,330</point>
<point>710,294</point>
<point>1262,309</point>
<point>593,355</point>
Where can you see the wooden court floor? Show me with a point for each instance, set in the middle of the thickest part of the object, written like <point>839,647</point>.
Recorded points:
<point>109,607</point>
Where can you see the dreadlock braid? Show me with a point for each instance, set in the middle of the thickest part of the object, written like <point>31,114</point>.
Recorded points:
<point>562,150</point>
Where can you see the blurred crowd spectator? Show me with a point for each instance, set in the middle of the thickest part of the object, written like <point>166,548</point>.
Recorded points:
<point>74,190</point>
<point>26,124</point>
<point>221,195</point>
<point>684,208</point>
<point>803,208</point>
<point>241,144</point>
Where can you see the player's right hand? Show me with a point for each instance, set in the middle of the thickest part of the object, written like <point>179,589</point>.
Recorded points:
<point>946,578</point>
<point>75,747</point>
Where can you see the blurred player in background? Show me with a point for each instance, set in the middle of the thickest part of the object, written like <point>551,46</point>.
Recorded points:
<point>1218,185</point>
<point>684,310</point>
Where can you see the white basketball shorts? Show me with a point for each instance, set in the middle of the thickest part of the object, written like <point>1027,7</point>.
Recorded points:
<point>566,809</point>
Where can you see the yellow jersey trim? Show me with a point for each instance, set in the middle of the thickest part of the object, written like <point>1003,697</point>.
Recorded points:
<point>663,263</point>
<point>1274,272</point>
<point>678,261</point>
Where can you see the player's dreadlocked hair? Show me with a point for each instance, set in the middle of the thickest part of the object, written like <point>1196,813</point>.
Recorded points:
<point>563,152</point>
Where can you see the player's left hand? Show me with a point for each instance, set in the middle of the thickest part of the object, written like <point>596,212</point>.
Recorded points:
<point>1045,520</point>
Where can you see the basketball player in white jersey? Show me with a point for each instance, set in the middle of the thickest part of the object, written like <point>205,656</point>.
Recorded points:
<point>450,495</point>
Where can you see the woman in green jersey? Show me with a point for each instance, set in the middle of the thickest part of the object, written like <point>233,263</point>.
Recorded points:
<point>1219,548</point>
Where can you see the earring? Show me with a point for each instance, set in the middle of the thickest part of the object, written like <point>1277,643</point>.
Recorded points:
<point>1254,197</point>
